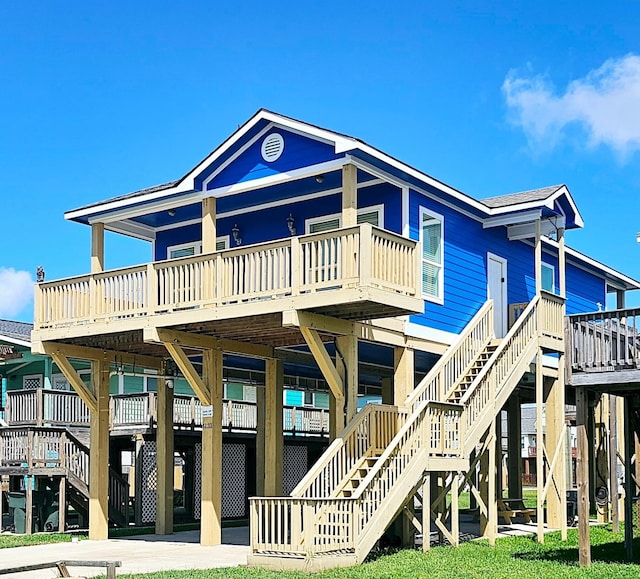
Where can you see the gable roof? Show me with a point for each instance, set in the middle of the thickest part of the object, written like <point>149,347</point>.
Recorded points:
<point>365,156</point>
<point>523,197</point>
<point>16,332</point>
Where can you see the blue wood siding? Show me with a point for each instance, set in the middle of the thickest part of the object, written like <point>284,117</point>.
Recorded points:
<point>270,224</point>
<point>298,152</point>
<point>584,291</point>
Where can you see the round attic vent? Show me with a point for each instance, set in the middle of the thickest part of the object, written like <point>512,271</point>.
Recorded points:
<point>272,147</point>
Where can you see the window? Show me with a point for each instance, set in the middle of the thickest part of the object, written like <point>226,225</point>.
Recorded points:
<point>431,233</point>
<point>32,381</point>
<point>548,277</point>
<point>373,215</point>
<point>194,248</point>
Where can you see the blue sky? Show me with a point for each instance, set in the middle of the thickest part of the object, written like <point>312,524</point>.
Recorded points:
<point>97,100</point>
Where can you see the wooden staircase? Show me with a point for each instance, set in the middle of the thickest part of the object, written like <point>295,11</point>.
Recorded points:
<point>339,510</point>
<point>47,452</point>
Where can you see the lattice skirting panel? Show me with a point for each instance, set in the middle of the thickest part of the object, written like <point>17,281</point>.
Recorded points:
<point>234,480</point>
<point>149,481</point>
<point>295,466</point>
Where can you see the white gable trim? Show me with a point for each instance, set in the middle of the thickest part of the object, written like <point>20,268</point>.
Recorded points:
<point>341,143</point>
<point>16,341</point>
<point>197,196</point>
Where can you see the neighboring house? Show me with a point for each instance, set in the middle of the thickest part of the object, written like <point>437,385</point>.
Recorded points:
<point>296,254</point>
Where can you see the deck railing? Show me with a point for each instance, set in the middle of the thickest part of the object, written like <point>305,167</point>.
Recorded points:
<point>56,448</point>
<point>343,258</point>
<point>604,341</point>
<point>306,524</point>
<point>41,407</point>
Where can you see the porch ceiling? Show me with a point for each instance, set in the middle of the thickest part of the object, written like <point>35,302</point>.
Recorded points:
<point>265,330</point>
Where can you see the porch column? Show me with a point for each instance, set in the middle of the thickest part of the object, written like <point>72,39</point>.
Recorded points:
<point>349,196</point>
<point>582,476</point>
<point>562,264</point>
<point>211,510</point>
<point>336,415</point>
<point>514,442</point>
<point>629,483</point>
<point>260,438</point>
<point>209,225</point>
<point>538,258</point>
<point>164,456</point>
<point>555,441</point>
<point>97,247</point>
<point>274,378</point>
<point>99,454</point>
<point>613,462</point>
<point>540,447</point>
<point>620,299</point>
<point>601,458</point>
<point>403,374</point>
<point>347,366</point>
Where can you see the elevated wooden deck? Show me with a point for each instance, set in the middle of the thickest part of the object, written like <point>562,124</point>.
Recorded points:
<point>603,350</point>
<point>354,273</point>
<point>139,412</point>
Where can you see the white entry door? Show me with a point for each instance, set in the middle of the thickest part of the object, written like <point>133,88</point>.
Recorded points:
<point>497,291</point>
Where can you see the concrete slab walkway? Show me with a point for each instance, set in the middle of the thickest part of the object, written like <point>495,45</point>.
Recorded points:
<point>141,554</point>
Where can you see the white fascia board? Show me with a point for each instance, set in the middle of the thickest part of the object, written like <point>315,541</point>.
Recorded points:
<point>608,272</point>
<point>409,186</point>
<point>132,229</point>
<point>549,202</point>
<point>233,189</point>
<point>16,341</point>
<point>523,217</point>
<point>528,230</point>
<point>186,183</point>
<point>277,179</point>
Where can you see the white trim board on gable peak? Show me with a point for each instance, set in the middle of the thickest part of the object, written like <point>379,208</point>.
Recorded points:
<point>342,144</point>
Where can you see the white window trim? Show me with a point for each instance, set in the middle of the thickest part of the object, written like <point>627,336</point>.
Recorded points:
<point>553,278</point>
<point>197,245</point>
<point>308,223</point>
<point>427,297</point>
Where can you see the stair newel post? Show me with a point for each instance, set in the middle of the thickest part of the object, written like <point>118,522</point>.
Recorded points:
<point>30,449</point>
<point>308,525</point>
<point>373,432</point>
<point>355,523</point>
<point>153,415</point>
<point>39,407</point>
<point>111,412</point>
<point>62,451</point>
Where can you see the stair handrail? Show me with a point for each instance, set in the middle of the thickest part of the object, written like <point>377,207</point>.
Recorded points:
<point>486,387</point>
<point>454,363</point>
<point>420,423</point>
<point>343,455</point>
<point>414,441</point>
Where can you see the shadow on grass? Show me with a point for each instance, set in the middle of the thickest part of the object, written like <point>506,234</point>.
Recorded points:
<point>612,552</point>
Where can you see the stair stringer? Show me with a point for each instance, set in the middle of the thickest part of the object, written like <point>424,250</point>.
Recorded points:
<point>523,339</point>
<point>394,502</point>
<point>435,433</point>
<point>484,422</point>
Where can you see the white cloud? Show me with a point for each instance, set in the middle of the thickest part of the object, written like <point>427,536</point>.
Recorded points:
<point>16,291</point>
<point>605,104</point>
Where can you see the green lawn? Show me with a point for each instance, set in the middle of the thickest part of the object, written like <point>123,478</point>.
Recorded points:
<point>512,558</point>
<point>528,495</point>
<point>7,541</point>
